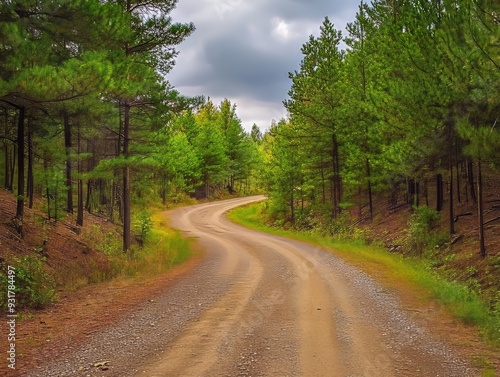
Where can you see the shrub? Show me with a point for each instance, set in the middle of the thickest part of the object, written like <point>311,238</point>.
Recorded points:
<point>33,286</point>
<point>422,233</point>
<point>143,226</point>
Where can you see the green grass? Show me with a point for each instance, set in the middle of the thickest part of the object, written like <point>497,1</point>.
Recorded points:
<point>392,269</point>
<point>162,249</point>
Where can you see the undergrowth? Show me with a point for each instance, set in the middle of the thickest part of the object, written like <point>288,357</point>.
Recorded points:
<point>159,248</point>
<point>32,285</point>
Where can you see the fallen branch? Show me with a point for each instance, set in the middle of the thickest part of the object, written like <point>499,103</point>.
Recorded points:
<point>490,221</point>
<point>462,214</point>
<point>456,238</point>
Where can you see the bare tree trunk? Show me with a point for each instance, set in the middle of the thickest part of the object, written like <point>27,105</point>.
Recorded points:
<point>482,247</point>
<point>409,191</point>
<point>323,189</point>
<point>464,170</point>
<point>126,182</point>
<point>47,190</point>
<point>30,168</point>
<point>457,164</point>
<point>439,193</point>
<point>452,216</point>
<point>370,195</point>
<point>112,201</point>
<point>416,194</point>
<point>335,188</point>
<point>79,215</point>
<point>6,152</point>
<point>20,169</point>
<point>67,145</point>
<point>470,179</point>
<point>426,192</point>
<point>56,200</point>
<point>338,180</point>
<point>90,166</point>
<point>13,167</point>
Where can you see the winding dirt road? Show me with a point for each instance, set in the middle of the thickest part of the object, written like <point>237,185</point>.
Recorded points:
<point>262,305</point>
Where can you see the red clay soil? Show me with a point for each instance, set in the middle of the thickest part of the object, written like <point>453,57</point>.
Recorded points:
<point>48,333</point>
<point>76,316</point>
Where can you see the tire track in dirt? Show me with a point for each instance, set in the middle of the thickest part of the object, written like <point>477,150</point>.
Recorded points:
<point>262,305</point>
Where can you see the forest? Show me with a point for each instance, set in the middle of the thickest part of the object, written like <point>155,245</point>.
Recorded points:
<point>401,111</point>
<point>406,115</point>
<point>89,121</point>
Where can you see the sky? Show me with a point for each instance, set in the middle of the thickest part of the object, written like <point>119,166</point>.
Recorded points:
<point>242,50</point>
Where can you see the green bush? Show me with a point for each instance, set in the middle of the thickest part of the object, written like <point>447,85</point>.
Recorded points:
<point>142,226</point>
<point>33,286</point>
<point>422,231</point>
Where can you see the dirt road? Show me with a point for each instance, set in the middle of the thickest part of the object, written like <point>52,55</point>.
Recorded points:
<point>261,305</point>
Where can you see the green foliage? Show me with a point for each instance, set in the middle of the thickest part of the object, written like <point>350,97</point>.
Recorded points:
<point>414,93</point>
<point>422,233</point>
<point>34,288</point>
<point>105,242</point>
<point>143,225</point>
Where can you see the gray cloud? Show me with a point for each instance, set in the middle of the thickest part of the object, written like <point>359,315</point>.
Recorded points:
<point>243,50</point>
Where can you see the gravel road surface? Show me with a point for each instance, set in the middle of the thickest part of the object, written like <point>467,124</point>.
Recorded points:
<point>262,305</point>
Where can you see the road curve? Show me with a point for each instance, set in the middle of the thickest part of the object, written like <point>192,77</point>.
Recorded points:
<point>262,305</point>
<point>292,309</point>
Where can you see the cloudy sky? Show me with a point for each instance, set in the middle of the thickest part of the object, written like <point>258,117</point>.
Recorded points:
<point>243,50</point>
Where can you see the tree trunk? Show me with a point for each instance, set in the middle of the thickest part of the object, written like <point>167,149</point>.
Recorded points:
<point>426,192</point>
<point>6,166</point>
<point>439,193</point>
<point>416,194</point>
<point>67,145</point>
<point>163,190</point>
<point>112,201</point>
<point>410,191</point>
<point>90,165</point>
<point>323,188</point>
<point>126,181</point>
<point>338,180</point>
<point>452,216</point>
<point>12,166</point>
<point>30,168</point>
<point>482,247</point>
<point>47,191</point>
<point>370,196</point>
<point>20,169</point>
<point>464,171</point>
<point>88,205</point>
<point>79,215</point>
<point>335,178</point>
<point>6,152</point>
<point>56,200</point>
<point>470,180</point>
